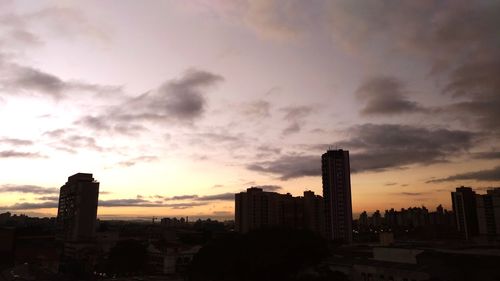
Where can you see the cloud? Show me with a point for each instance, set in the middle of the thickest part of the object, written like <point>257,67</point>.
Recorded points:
<point>257,109</point>
<point>477,85</point>
<point>289,166</point>
<point>19,79</point>
<point>34,189</point>
<point>456,29</point>
<point>67,140</point>
<point>381,147</point>
<point>138,202</point>
<point>19,154</point>
<point>29,206</point>
<point>269,187</point>
<point>482,175</point>
<point>412,193</point>
<point>140,159</point>
<point>296,112</point>
<point>186,205</point>
<point>292,128</point>
<point>458,40</point>
<point>295,115</point>
<point>182,197</point>
<point>182,99</point>
<point>267,149</point>
<point>107,203</point>
<point>48,198</point>
<point>278,20</point>
<point>127,202</point>
<point>213,197</point>
<point>376,148</point>
<point>179,101</point>
<point>16,142</point>
<point>56,133</point>
<point>77,141</point>
<point>486,155</point>
<point>386,96</point>
<point>217,197</point>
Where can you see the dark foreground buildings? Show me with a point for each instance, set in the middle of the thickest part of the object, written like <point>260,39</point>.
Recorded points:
<point>256,209</point>
<point>336,175</point>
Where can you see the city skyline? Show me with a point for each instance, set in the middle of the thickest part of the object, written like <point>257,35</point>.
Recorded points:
<point>173,116</point>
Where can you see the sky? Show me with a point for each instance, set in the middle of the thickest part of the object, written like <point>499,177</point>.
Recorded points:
<point>174,106</point>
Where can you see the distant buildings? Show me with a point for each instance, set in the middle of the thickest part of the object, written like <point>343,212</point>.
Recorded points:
<point>256,209</point>
<point>488,213</point>
<point>77,210</point>
<point>464,207</point>
<point>405,218</point>
<point>337,195</point>
<point>174,222</point>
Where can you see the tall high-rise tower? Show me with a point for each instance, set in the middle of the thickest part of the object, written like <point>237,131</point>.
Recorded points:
<point>337,195</point>
<point>77,211</point>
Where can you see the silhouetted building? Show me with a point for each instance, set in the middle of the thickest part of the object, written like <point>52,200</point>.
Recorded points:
<point>255,209</point>
<point>314,212</point>
<point>464,207</point>
<point>363,221</point>
<point>77,210</point>
<point>337,194</point>
<point>376,219</point>
<point>174,222</point>
<point>488,212</point>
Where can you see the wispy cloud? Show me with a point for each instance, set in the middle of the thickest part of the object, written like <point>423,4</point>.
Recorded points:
<point>481,175</point>
<point>386,96</point>
<point>180,101</point>
<point>20,154</point>
<point>16,142</point>
<point>34,189</point>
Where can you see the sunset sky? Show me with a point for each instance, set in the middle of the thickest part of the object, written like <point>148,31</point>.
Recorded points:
<point>176,105</point>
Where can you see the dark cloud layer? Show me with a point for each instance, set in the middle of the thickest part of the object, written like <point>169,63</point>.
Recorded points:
<point>106,203</point>
<point>16,142</point>
<point>381,147</point>
<point>289,166</point>
<point>29,206</point>
<point>412,193</point>
<point>19,154</point>
<point>257,109</point>
<point>482,175</point>
<point>486,155</point>
<point>477,87</point>
<point>386,96</point>
<point>33,189</point>
<point>269,187</point>
<point>182,197</point>
<point>377,148</point>
<point>19,79</point>
<point>136,160</point>
<point>295,116</point>
<point>176,101</point>
<point>217,197</point>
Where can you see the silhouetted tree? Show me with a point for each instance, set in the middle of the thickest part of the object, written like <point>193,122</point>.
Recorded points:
<point>128,257</point>
<point>272,254</point>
